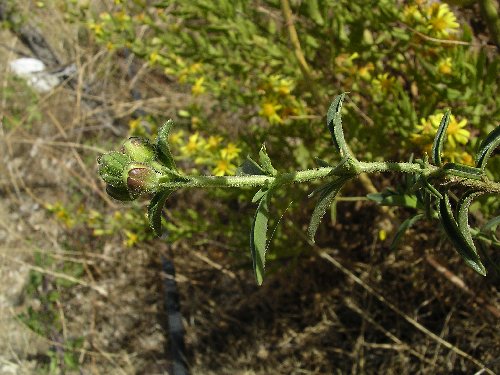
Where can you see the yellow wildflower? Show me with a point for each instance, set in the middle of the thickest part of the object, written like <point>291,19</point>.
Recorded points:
<point>383,83</point>
<point>132,238</point>
<point>195,68</point>
<point>445,66</point>
<point>364,71</point>
<point>459,157</point>
<point>224,167</point>
<point>412,13</point>
<point>269,110</point>
<point>230,151</point>
<point>213,142</point>
<point>153,57</point>
<point>176,138</point>
<point>198,88</point>
<point>442,21</point>
<point>428,127</point>
<point>194,144</point>
<point>96,28</point>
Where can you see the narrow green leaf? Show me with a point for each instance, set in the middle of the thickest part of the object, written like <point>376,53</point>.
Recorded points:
<point>461,170</point>
<point>258,239</point>
<point>322,163</point>
<point>265,162</point>
<point>487,147</point>
<point>314,12</point>
<point>328,194</point>
<point>403,228</point>
<point>258,195</point>
<point>491,225</point>
<point>250,167</point>
<point>334,124</point>
<point>437,146</point>
<point>463,215</point>
<point>456,236</point>
<point>431,189</point>
<point>155,208</point>
<point>164,153</point>
<point>401,200</point>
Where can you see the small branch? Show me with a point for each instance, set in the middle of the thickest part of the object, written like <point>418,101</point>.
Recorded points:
<point>320,173</point>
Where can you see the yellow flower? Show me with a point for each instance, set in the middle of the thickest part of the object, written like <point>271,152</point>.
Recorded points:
<point>412,13</point>
<point>442,21</point>
<point>230,151</point>
<point>198,88</point>
<point>224,167</point>
<point>383,83</point>
<point>131,239</point>
<point>213,142</point>
<point>459,157</point>
<point>269,110</point>
<point>364,71</point>
<point>176,138</point>
<point>195,68</point>
<point>445,66</point>
<point>96,28</point>
<point>153,57</point>
<point>195,143</point>
<point>427,129</point>
<point>135,125</point>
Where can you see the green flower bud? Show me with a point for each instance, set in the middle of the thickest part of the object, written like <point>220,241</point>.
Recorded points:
<point>120,194</point>
<point>140,150</point>
<point>140,179</point>
<point>111,167</point>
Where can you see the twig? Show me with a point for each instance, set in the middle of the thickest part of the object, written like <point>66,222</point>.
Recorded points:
<point>59,275</point>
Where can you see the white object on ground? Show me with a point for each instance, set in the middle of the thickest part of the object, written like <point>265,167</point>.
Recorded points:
<point>33,71</point>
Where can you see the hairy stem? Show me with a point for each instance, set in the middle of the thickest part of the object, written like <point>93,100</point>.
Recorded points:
<point>320,173</point>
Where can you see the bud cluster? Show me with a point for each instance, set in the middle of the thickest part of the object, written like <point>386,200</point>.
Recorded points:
<point>131,172</point>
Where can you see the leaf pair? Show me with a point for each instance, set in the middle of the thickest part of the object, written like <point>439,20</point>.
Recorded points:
<point>251,167</point>
<point>334,124</point>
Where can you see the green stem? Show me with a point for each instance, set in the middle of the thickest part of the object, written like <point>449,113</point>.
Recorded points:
<point>320,173</point>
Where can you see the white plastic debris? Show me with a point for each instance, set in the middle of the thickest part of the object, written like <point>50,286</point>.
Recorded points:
<point>33,71</point>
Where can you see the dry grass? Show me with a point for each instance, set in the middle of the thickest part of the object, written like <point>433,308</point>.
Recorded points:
<point>349,307</point>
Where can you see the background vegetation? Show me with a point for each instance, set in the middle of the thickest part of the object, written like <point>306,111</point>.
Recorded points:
<point>233,75</point>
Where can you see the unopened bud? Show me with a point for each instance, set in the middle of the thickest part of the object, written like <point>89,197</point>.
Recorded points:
<point>140,150</point>
<point>111,167</point>
<point>141,179</point>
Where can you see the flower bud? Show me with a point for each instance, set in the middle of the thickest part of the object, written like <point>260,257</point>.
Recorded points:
<point>140,150</point>
<point>140,179</point>
<point>111,167</point>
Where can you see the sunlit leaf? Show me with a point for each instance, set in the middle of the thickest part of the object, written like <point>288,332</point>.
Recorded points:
<point>265,162</point>
<point>164,153</point>
<point>437,146</point>
<point>487,146</point>
<point>334,123</point>
<point>258,239</point>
